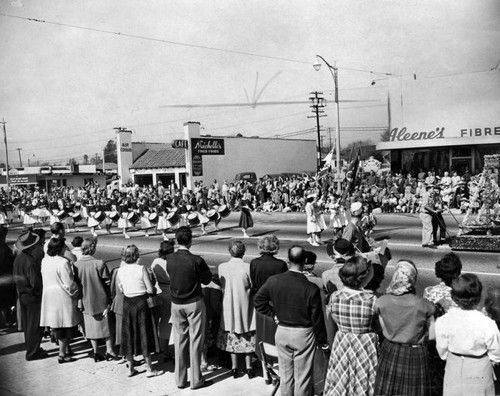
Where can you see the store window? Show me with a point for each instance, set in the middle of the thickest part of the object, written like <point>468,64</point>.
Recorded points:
<point>481,152</point>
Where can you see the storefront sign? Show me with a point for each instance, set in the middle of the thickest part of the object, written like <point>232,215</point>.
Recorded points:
<point>476,132</point>
<point>179,143</point>
<point>19,179</point>
<point>197,165</point>
<point>125,147</point>
<point>207,146</point>
<point>403,135</point>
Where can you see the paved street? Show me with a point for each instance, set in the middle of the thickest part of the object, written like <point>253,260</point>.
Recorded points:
<point>84,377</point>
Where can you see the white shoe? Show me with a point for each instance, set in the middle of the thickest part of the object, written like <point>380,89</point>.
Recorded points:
<point>314,243</point>
<point>165,239</point>
<point>310,240</point>
<point>146,235</point>
<point>127,236</point>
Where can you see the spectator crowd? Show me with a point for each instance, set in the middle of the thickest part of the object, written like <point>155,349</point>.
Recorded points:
<point>325,327</point>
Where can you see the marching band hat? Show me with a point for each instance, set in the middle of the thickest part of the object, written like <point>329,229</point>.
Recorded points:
<point>26,240</point>
<point>356,208</point>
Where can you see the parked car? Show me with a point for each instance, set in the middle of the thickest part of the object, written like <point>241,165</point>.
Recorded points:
<point>246,176</point>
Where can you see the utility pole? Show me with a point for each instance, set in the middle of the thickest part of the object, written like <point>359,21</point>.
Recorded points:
<point>6,158</point>
<point>318,102</point>
<point>20,160</point>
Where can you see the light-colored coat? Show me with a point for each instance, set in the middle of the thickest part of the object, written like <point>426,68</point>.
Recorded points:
<point>237,305</point>
<point>59,294</point>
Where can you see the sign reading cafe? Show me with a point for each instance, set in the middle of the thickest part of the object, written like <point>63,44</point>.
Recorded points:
<point>207,146</point>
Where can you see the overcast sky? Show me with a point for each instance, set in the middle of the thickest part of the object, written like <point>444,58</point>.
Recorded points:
<point>66,83</point>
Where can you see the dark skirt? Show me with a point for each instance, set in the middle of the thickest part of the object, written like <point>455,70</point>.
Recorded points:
<point>246,220</point>
<point>137,335</point>
<point>65,332</point>
<point>402,370</point>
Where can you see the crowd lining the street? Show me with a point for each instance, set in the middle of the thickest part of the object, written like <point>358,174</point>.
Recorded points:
<point>398,343</point>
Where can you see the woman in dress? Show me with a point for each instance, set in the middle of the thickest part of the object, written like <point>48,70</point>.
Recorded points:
<point>315,222</point>
<point>351,369</point>
<point>237,327</point>
<point>469,341</point>
<point>405,319</point>
<point>246,220</point>
<point>95,278</point>
<point>137,326</point>
<point>59,297</point>
<point>163,312</point>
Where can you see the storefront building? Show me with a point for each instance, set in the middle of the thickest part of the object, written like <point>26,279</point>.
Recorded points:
<point>444,148</point>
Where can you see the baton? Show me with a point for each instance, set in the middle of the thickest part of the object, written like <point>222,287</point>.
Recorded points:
<point>452,215</point>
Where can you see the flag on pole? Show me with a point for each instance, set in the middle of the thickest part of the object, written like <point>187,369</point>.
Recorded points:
<point>326,167</point>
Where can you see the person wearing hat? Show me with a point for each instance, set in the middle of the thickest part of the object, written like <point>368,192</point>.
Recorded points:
<point>426,210</point>
<point>315,222</point>
<point>352,232</point>
<point>437,217</point>
<point>340,251</point>
<point>28,280</point>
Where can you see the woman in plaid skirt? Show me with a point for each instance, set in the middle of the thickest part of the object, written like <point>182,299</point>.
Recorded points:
<point>405,318</point>
<point>351,370</point>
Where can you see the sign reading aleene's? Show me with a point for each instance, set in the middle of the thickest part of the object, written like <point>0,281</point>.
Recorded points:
<point>401,134</point>
<point>207,146</point>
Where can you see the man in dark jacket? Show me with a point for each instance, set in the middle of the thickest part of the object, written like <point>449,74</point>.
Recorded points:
<point>7,287</point>
<point>28,280</point>
<point>296,305</point>
<point>187,273</point>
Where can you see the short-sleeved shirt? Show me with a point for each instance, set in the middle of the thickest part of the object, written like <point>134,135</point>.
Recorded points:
<point>406,318</point>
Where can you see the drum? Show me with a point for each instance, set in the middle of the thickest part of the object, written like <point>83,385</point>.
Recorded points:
<point>224,211</point>
<point>193,219</point>
<point>173,217</point>
<point>76,217</point>
<point>133,217</point>
<point>114,216</point>
<point>212,215</point>
<point>153,218</point>
<point>100,216</point>
<point>62,214</point>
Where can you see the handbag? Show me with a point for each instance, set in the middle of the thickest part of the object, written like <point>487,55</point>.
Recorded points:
<point>154,301</point>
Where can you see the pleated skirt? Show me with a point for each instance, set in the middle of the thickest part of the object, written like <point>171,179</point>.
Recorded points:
<point>137,335</point>
<point>402,370</point>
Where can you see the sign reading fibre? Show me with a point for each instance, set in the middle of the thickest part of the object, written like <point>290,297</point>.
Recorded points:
<point>207,146</point>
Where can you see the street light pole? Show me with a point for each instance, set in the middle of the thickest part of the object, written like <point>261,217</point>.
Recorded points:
<point>334,72</point>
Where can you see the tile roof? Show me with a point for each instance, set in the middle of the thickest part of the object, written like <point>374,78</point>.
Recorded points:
<point>161,158</point>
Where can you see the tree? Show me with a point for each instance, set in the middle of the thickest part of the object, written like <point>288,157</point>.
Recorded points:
<point>110,152</point>
<point>385,136</point>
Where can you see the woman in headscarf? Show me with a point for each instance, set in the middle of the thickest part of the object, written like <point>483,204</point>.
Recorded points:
<point>354,349</point>
<point>405,319</point>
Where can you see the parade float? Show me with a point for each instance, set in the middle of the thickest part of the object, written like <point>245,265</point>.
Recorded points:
<point>480,228</point>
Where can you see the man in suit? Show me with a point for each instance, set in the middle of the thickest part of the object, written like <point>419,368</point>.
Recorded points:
<point>296,305</point>
<point>28,280</point>
<point>187,273</point>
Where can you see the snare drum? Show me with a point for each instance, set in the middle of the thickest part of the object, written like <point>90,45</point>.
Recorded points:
<point>62,214</point>
<point>212,215</point>
<point>76,217</point>
<point>133,217</point>
<point>100,216</point>
<point>153,218</point>
<point>173,218</point>
<point>224,211</point>
<point>193,219</point>
<point>114,216</point>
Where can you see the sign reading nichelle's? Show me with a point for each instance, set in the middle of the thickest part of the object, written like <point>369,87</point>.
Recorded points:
<point>207,146</point>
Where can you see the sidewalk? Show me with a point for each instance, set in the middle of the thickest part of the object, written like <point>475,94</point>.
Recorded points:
<point>84,377</point>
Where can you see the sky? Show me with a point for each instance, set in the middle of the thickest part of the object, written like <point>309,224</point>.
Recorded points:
<point>71,71</point>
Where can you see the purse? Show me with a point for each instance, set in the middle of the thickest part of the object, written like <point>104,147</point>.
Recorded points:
<point>154,301</point>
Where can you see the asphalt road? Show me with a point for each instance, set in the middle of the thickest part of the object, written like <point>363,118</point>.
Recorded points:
<point>403,231</point>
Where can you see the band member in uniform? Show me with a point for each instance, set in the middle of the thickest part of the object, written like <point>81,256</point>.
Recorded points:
<point>123,222</point>
<point>144,212</point>
<point>92,222</point>
<point>246,220</point>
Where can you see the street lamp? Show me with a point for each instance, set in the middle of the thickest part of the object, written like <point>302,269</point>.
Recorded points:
<point>334,71</point>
